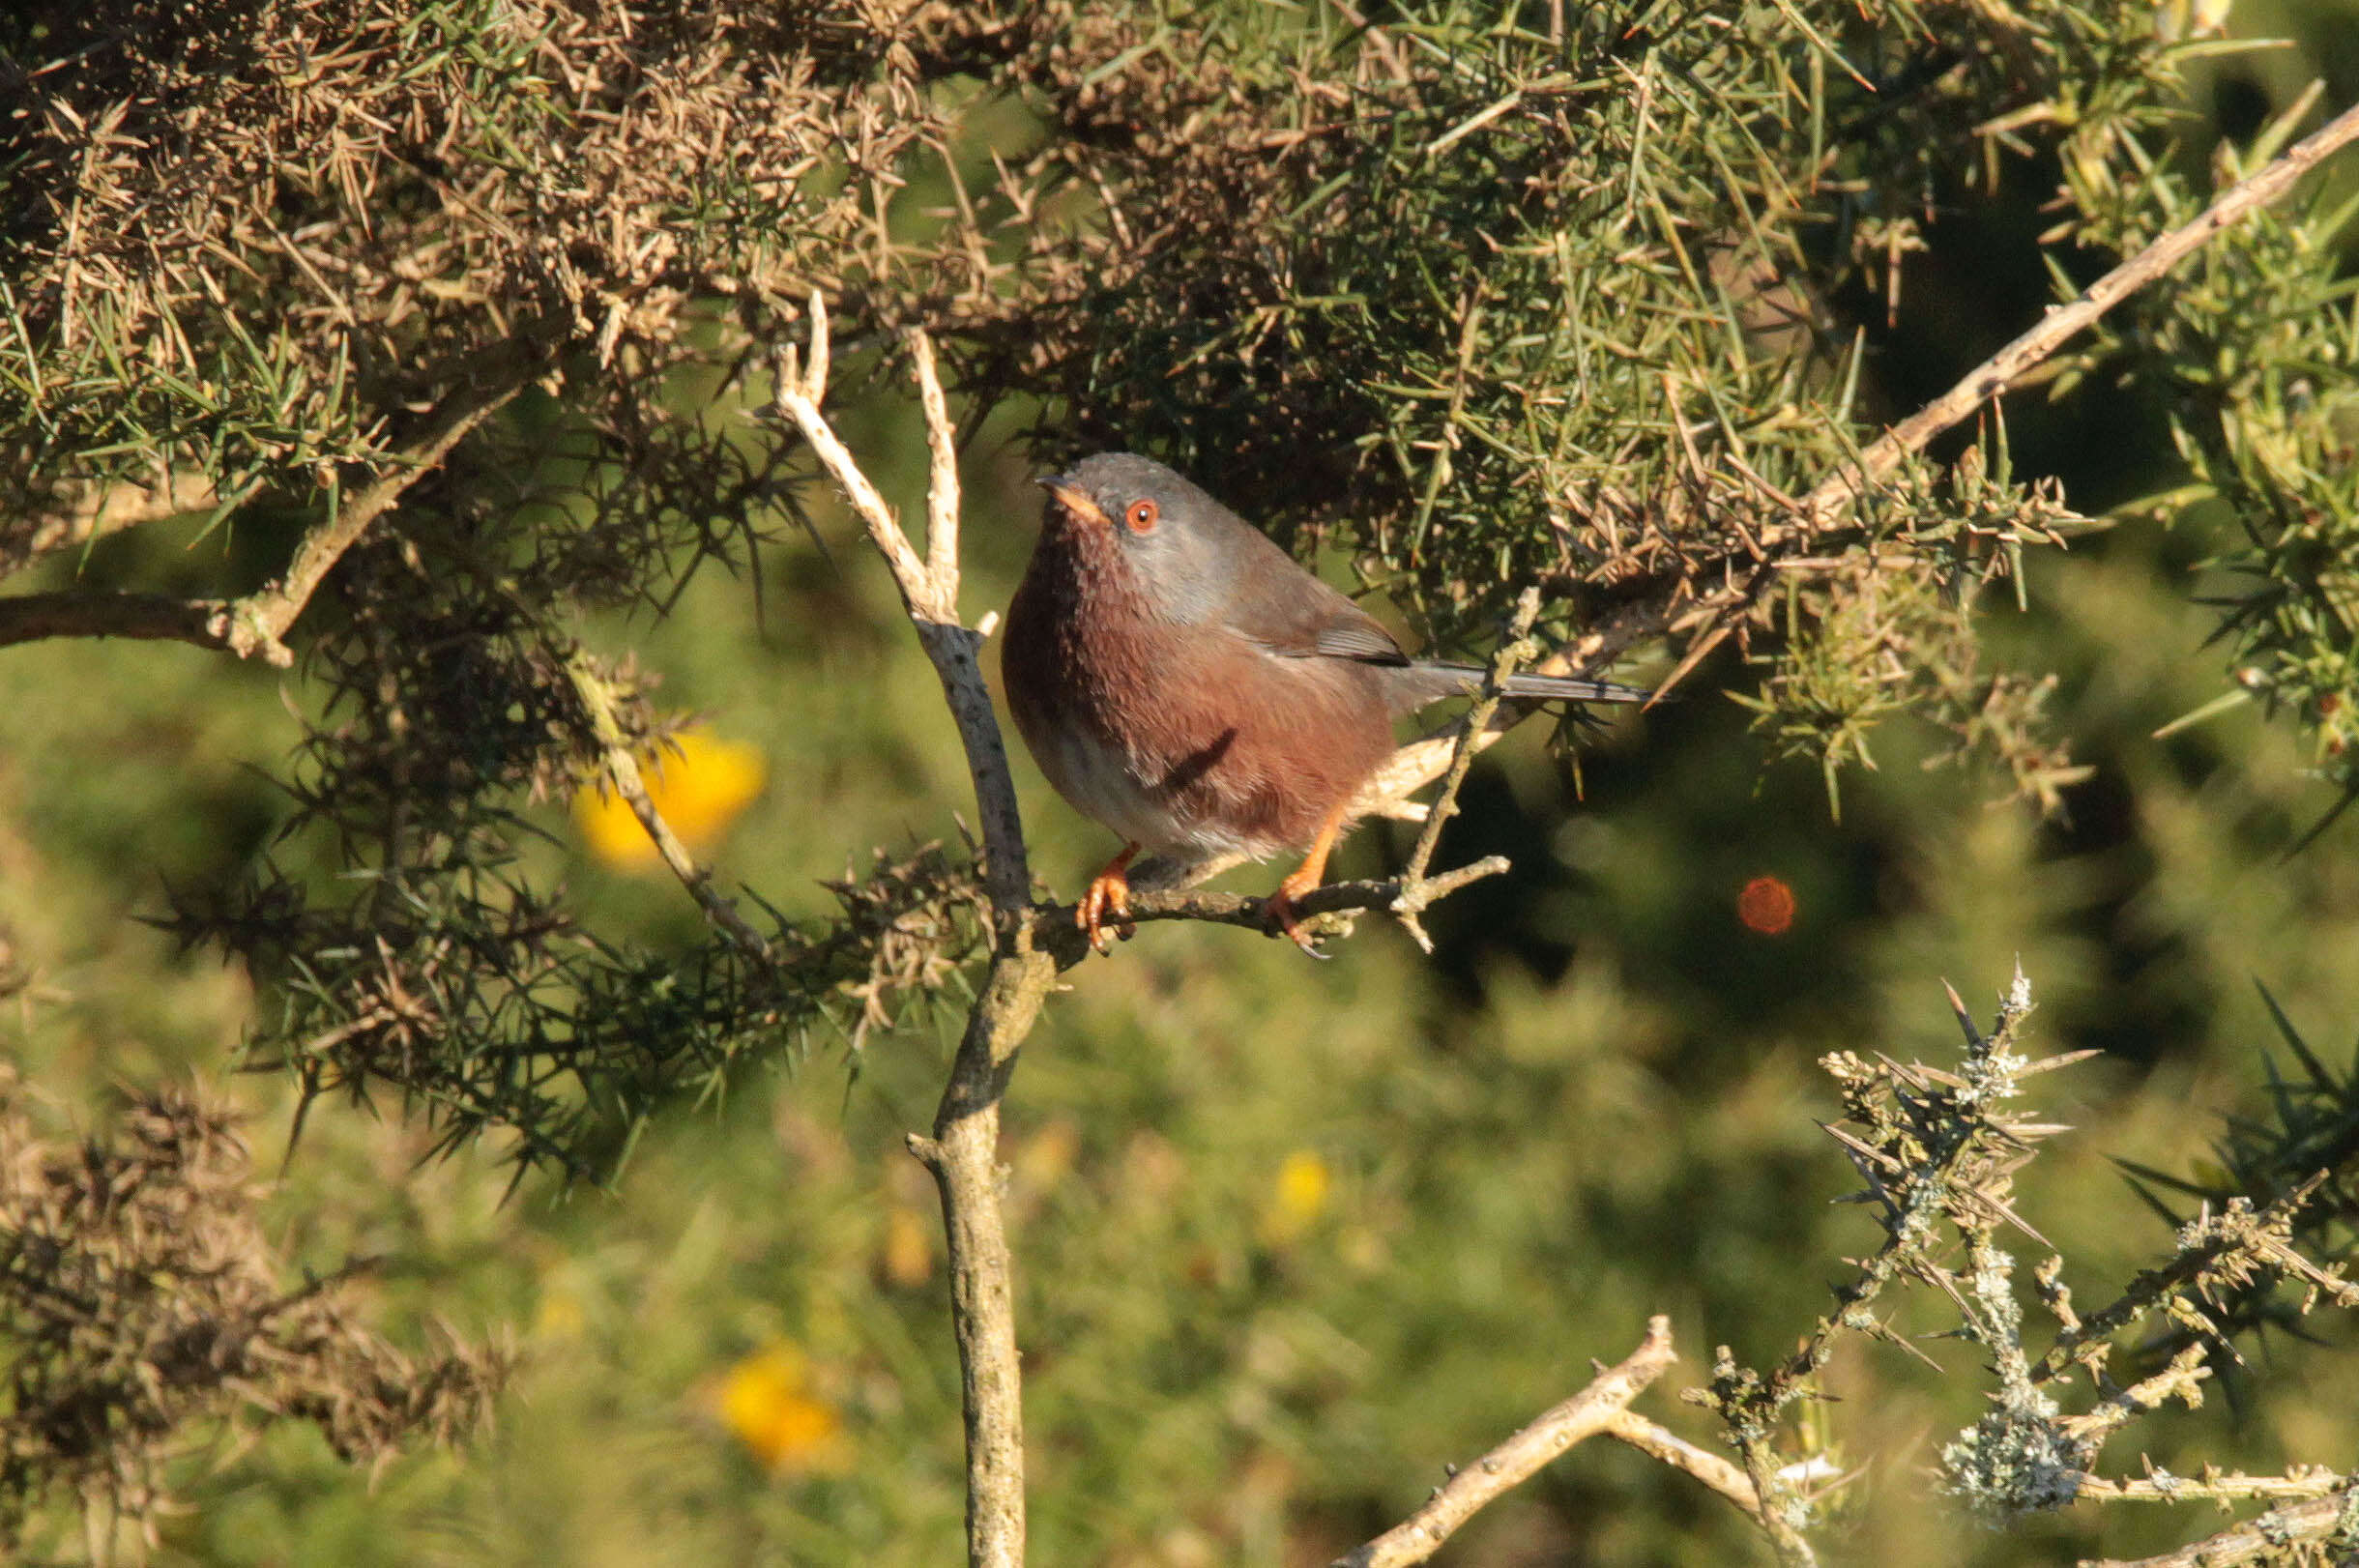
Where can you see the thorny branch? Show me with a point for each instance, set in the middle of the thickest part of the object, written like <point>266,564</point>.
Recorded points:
<point>258,622</point>
<point>1719,612</point>
<point>2334,1517</point>
<point>1938,1150</point>
<point>2064,322</point>
<point>623,776</point>
<point>109,510</point>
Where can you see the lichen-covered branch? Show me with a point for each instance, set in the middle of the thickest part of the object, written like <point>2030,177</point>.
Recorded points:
<point>1937,1149</point>
<point>2331,1522</point>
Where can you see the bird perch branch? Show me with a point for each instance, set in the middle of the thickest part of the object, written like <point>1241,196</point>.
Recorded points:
<point>963,1152</point>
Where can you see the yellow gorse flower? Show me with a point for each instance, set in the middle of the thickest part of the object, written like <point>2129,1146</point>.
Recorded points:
<point>700,783</point>
<point>1297,1196</point>
<point>767,1400</point>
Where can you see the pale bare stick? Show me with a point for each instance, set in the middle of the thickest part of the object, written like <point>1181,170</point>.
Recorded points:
<point>1655,1441</point>
<point>801,389</point>
<point>941,481</point>
<point>929,591</point>
<point>1716,610</point>
<point>1520,1457</point>
<point>1418,894</point>
<point>963,1152</point>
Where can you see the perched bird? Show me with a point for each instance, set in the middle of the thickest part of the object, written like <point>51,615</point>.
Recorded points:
<point>1180,680</point>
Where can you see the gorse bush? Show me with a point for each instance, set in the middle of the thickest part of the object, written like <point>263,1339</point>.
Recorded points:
<point>454,338</point>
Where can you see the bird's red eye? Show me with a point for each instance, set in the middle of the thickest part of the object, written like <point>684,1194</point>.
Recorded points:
<point>1141,516</point>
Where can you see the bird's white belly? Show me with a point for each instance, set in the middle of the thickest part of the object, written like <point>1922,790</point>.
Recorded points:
<point>1102,783</point>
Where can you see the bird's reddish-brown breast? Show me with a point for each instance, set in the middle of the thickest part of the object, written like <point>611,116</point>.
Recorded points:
<point>1218,743</point>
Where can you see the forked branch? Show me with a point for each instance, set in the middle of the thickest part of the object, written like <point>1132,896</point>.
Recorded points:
<point>1600,1408</point>
<point>963,1152</point>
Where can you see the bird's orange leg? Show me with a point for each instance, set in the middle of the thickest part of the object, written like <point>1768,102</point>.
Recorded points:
<point>1279,911</point>
<point>1109,890</point>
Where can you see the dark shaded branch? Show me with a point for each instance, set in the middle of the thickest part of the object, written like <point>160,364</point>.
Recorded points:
<point>256,622</point>
<point>30,618</point>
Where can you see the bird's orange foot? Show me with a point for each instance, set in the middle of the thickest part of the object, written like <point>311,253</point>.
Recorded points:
<point>1280,913</point>
<point>1109,893</point>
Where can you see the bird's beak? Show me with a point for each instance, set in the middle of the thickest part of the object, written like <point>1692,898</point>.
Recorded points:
<point>1075,501</point>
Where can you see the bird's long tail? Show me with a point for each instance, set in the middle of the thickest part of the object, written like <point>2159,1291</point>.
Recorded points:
<point>1424,683</point>
<point>1563,688</point>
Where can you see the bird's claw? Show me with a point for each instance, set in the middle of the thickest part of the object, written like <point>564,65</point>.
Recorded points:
<point>1109,893</point>
<point>1281,915</point>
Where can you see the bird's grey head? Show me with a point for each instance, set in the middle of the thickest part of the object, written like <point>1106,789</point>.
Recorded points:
<point>1186,548</point>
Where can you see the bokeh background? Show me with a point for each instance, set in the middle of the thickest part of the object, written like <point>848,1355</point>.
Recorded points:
<point>1291,1236</point>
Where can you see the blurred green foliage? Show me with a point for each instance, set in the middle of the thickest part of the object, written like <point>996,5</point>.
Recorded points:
<point>1290,1240</point>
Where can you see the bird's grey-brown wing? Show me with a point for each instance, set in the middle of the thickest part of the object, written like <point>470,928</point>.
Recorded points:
<point>1273,601</point>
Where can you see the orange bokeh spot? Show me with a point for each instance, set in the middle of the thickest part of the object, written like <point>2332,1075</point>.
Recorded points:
<point>1766,905</point>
